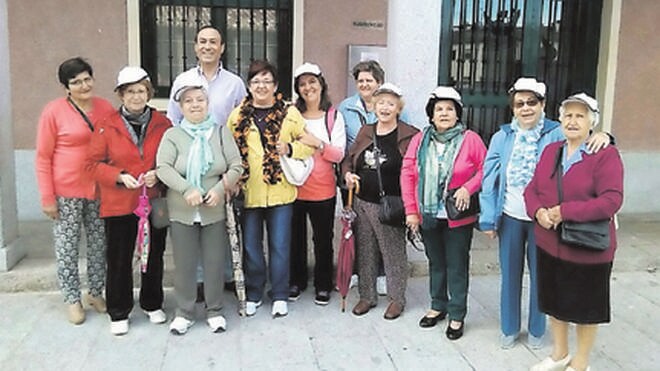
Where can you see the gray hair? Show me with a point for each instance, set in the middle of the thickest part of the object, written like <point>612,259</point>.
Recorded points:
<point>594,117</point>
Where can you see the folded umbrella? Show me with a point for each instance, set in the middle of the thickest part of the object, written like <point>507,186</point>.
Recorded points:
<point>346,254</point>
<point>236,256</point>
<point>143,239</point>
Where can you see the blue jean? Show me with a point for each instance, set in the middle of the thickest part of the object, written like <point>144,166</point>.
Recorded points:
<point>278,227</point>
<point>515,237</point>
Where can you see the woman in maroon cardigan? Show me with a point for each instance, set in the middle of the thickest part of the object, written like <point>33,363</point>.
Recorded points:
<point>574,282</point>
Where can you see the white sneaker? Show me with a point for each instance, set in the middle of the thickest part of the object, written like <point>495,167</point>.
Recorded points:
<point>354,281</point>
<point>381,285</point>
<point>156,316</point>
<point>280,308</point>
<point>119,328</point>
<point>180,325</point>
<point>548,364</point>
<point>251,307</point>
<point>217,324</point>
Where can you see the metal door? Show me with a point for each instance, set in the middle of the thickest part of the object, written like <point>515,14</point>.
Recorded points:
<point>486,44</point>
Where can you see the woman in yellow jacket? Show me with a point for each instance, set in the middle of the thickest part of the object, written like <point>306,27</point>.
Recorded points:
<point>266,128</point>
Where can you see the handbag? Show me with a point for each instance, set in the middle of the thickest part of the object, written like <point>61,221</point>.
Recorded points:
<point>296,170</point>
<point>453,213</point>
<point>391,210</point>
<point>593,235</point>
<point>160,216</point>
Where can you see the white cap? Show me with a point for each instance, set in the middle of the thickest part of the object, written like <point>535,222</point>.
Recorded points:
<point>307,68</point>
<point>529,84</point>
<point>187,82</point>
<point>446,92</point>
<point>130,75</point>
<point>390,88</point>
<point>583,98</point>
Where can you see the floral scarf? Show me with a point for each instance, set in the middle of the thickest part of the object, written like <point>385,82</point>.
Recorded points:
<point>524,153</point>
<point>272,169</point>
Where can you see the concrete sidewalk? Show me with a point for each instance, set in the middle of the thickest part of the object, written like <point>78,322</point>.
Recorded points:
<point>36,336</point>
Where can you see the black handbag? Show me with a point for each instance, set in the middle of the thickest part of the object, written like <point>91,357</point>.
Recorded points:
<point>391,210</point>
<point>593,235</point>
<point>452,211</point>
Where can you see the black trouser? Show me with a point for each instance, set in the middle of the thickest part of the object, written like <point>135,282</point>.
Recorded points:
<point>322,217</point>
<point>121,232</point>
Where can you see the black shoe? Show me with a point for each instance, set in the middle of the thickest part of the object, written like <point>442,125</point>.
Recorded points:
<point>428,321</point>
<point>322,298</point>
<point>294,293</point>
<point>200,292</point>
<point>454,334</point>
<point>230,286</point>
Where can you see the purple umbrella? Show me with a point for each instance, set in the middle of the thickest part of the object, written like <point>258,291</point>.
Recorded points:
<point>346,254</point>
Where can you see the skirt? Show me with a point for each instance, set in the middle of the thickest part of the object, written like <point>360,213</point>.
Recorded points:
<point>573,292</point>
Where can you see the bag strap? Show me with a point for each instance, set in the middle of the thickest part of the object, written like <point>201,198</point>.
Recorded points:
<point>559,171</point>
<point>82,113</point>
<point>381,191</point>
<point>330,118</point>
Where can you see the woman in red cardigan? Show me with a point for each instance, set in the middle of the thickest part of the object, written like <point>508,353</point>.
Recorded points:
<point>574,284</point>
<point>122,158</point>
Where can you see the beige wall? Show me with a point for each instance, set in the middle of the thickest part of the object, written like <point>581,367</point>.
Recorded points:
<point>45,33</point>
<point>328,30</point>
<point>636,109</point>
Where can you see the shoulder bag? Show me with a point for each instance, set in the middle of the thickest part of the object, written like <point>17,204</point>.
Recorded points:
<point>592,236</point>
<point>391,207</point>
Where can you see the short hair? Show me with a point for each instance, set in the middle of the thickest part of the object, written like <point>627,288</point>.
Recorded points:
<point>430,107</point>
<point>71,68</point>
<point>372,67</point>
<point>402,103</point>
<point>145,82</point>
<point>593,116</point>
<point>325,99</point>
<point>260,66</point>
<point>222,37</point>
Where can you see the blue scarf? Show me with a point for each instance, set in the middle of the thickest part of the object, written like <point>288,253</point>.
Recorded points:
<point>524,153</point>
<point>200,156</point>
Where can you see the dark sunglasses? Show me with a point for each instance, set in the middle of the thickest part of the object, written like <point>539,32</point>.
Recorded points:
<point>529,103</point>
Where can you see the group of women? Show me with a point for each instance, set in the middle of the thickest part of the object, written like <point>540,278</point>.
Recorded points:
<point>439,172</point>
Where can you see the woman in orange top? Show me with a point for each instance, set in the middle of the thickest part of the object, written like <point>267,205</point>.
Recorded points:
<point>317,196</point>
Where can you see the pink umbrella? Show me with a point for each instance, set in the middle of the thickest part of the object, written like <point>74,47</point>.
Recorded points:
<point>143,239</point>
<point>346,254</point>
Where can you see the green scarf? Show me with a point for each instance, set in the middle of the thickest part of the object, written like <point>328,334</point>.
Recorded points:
<point>200,156</point>
<point>435,168</point>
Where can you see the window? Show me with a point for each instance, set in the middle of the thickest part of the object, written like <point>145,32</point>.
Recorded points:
<point>252,29</point>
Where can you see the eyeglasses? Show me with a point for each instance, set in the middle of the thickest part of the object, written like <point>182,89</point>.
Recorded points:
<point>529,103</point>
<point>261,82</point>
<point>87,80</point>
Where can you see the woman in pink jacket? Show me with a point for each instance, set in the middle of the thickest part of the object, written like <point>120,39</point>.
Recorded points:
<point>444,162</point>
<point>68,197</point>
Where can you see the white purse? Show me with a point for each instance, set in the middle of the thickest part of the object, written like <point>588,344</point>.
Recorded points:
<point>296,170</point>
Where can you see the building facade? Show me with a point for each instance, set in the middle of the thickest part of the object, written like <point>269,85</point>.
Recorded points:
<point>413,41</point>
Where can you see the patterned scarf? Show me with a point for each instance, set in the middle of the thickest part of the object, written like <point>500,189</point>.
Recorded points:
<point>524,153</point>
<point>139,119</point>
<point>200,156</point>
<point>272,169</point>
<point>435,167</point>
